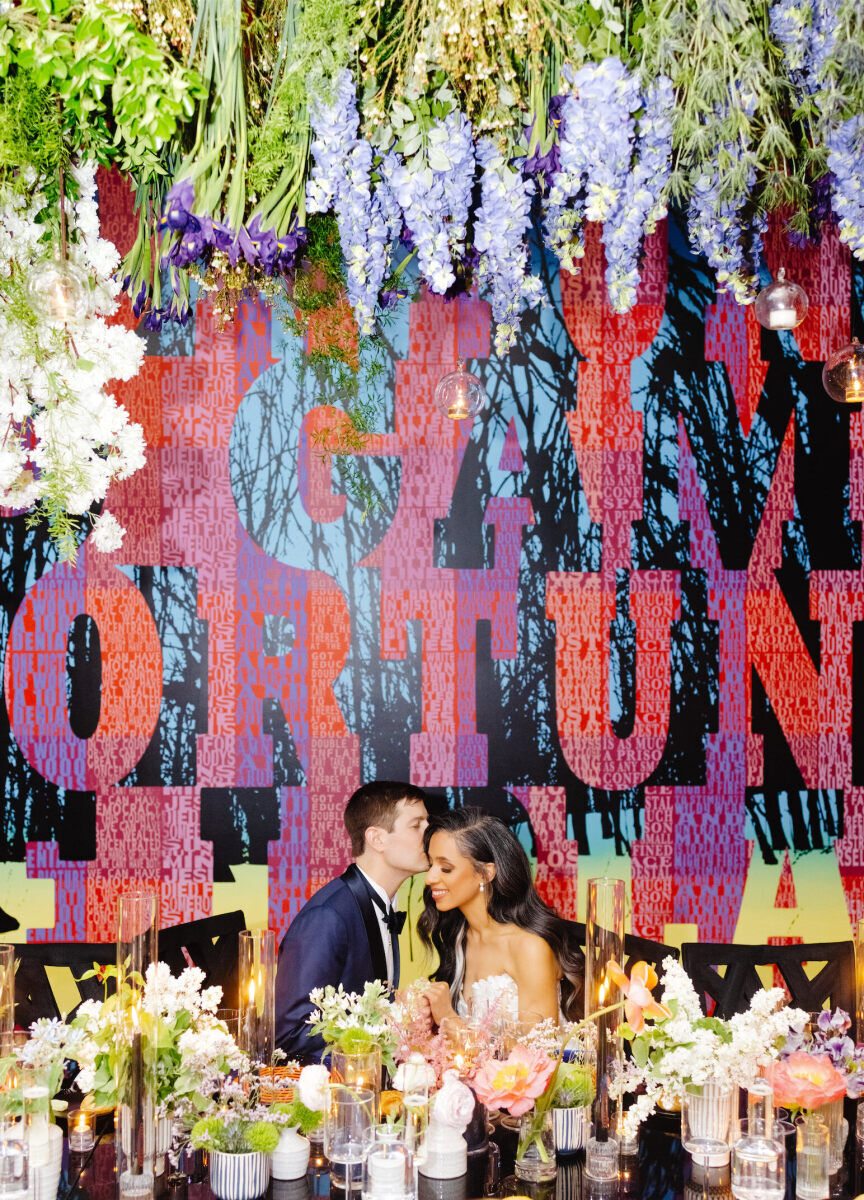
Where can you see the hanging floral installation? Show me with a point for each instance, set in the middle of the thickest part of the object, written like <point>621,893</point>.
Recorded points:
<point>331,155</point>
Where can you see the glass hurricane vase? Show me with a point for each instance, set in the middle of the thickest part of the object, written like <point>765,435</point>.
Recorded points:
<point>535,1153</point>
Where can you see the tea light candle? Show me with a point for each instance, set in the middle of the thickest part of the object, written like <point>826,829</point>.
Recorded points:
<point>386,1174</point>
<point>81,1136</point>
<point>782,318</point>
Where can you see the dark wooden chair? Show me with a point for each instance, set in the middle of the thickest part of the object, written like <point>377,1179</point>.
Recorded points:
<point>210,944</point>
<point>34,993</point>
<point>636,949</point>
<point>732,990</point>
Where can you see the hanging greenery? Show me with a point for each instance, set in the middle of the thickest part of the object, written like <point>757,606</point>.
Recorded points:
<point>331,155</point>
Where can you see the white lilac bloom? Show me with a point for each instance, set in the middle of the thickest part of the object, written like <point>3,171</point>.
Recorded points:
<point>501,226</point>
<point>67,439</point>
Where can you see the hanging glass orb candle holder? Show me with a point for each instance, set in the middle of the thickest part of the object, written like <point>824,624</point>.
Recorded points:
<point>843,374</point>
<point>459,394</point>
<point>782,304</point>
<point>58,291</point>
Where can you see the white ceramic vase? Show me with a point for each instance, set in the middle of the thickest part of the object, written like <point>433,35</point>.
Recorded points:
<point>291,1157</point>
<point>239,1176</point>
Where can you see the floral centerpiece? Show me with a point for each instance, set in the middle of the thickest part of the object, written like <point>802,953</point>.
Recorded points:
<point>354,1023</point>
<point>688,1047</point>
<point>193,1049</point>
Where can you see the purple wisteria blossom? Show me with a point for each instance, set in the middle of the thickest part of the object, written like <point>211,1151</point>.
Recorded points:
<point>433,190</point>
<point>596,149</point>
<point>501,225</point>
<point>807,30</point>
<point>845,153</point>
<point>641,205</point>
<point>719,230</point>
<point>341,179</point>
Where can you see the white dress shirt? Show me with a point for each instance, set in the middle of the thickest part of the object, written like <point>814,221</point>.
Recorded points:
<point>385,932</point>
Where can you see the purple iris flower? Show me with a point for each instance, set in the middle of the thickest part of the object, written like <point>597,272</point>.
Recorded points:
<point>178,205</point>
<point>140,300</point>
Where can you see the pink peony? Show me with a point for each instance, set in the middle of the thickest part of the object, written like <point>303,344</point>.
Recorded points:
<point>805,1080</point>
<point>515,1083</point>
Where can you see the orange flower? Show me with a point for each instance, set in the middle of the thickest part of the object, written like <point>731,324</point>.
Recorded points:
<point>516,1082</point>
<point>805,1081</point>
<point>639,1003</point>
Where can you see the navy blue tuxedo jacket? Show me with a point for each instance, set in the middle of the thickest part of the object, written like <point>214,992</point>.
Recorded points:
<point>335,938</point>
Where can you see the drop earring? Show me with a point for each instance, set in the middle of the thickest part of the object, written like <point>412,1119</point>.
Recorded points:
<point>482,887</point>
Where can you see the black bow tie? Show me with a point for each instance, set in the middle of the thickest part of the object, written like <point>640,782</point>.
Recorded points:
<point>393,919</point>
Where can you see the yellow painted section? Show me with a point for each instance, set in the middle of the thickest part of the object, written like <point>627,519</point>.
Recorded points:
<point>31,901</point>
<point>248,891</point>
<point>820,916</point>
<point>675,933</point>
<point>65,989</point>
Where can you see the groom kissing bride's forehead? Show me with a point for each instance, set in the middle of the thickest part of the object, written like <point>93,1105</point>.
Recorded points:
<point>348,932</point>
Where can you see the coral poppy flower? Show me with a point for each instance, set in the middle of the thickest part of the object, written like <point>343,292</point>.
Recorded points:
<point>805,1080</point>
<point>515,1083</point>
<point>639,1003</point>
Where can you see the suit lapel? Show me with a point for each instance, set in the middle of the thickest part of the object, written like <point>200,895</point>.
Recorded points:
<point>355,882</point>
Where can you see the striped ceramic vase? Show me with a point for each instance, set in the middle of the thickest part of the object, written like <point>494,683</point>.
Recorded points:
<point>239,1176</point>
<point>570,1125</point>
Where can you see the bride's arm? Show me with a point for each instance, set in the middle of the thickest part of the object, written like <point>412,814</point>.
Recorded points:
<point>537,974</point>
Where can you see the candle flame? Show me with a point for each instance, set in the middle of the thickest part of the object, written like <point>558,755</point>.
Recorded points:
<point>252,991</point>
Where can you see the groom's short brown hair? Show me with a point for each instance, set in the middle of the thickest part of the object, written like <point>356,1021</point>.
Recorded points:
<point>376,804</point>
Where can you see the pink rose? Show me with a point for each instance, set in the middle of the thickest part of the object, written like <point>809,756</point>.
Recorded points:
<point>805,1080</point>
<point>515,1083</point>
<point>454,1103</point>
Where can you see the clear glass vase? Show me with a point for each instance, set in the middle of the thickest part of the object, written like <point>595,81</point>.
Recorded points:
<point>535,1154</point>
<point>358,1070</point>
<point>812,1142</point>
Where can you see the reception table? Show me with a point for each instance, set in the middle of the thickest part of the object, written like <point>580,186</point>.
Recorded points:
<point>660,1171</point>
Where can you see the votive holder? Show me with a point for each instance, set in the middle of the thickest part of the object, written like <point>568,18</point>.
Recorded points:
<point>82,1133</point>
<point>14,1156</point>
<point>601,1159</point>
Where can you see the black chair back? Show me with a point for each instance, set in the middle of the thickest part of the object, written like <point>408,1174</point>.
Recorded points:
<point>210,944</point>
<point>636,949</point>
<point>34,994</point>
<point>732,991</point>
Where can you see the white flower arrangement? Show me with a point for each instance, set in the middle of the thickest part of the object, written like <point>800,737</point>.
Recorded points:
<point>65,438</point>
<point>689,1047</point>
<point>354,1022</point>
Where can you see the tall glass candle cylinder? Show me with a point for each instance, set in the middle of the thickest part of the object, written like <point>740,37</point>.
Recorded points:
<point>257,994</point>
<point>137,948</point>
<point>604,943</point>
<point>7,998</point>
<point>859,977</point>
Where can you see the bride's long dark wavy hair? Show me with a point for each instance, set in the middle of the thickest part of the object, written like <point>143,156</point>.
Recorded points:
<point>511,898</point>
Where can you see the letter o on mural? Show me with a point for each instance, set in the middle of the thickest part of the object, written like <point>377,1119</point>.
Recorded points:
<point>35,676</point>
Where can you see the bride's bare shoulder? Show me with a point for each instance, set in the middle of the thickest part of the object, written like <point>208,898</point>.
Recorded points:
<point>532,951</point>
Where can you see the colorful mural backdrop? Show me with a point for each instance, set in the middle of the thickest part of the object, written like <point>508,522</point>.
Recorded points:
<point>624,609</point>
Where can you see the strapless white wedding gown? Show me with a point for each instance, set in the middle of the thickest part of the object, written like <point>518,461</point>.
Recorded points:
<point>495,993</point>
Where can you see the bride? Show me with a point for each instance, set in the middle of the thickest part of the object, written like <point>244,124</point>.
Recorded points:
<point>497,941</point>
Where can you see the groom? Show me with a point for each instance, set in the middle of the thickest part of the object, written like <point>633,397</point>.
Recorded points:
<point>348,932</point>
